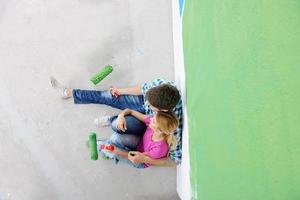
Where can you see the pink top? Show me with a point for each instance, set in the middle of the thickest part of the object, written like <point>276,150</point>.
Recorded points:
<point>154,149</point>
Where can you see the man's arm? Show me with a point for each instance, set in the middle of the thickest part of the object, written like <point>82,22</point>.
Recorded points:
<point>135,90</point>
<point>138,157</point>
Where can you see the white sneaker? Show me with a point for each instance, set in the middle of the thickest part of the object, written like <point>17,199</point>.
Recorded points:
<point>102,121</point>
<point>63,91</point>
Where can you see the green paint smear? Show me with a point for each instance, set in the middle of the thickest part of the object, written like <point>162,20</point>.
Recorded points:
<point>242,62</point>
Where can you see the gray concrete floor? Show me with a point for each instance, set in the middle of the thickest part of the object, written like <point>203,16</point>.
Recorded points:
<point>42,138</point>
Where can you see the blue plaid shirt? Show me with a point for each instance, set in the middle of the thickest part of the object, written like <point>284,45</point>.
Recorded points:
<point>176,153</point>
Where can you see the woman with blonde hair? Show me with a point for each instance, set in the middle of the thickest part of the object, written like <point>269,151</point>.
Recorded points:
<point>157,141</point>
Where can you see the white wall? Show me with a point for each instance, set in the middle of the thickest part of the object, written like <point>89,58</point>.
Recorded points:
<point>183,171</point>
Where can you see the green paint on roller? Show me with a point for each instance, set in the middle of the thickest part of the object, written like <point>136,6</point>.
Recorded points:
<point>93,146</point>
<point>101,74</point>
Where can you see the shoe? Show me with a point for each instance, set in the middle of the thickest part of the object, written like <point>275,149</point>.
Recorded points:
<point>62,90</point>
<point>102,121</point>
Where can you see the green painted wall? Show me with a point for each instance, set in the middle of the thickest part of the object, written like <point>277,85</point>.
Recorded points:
<point>242,62</point>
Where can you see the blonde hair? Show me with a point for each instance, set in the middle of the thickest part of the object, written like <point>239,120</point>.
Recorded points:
<point>167,123</point>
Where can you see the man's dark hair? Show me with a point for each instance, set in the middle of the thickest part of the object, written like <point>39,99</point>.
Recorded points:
<point>163,97</point>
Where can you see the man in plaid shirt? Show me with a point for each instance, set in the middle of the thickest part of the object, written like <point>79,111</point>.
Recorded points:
<point>162,94</point>
<point>175,154</point>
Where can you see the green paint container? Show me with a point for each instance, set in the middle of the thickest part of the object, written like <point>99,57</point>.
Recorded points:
<point>93,146</point>
<point>101,74</point>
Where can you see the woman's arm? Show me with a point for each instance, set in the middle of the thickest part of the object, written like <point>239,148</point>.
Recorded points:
<point>121,153</point>
<point>113,149</point>
<point>121,122</point>
<point>138,115</point>
<point>138,157</point>
<point>162,162</point>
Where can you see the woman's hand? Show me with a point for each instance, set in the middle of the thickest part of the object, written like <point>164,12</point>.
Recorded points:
<point>114,91</point>
<point>121,123</point>
<point>137,157</point>
<point>109,147</point>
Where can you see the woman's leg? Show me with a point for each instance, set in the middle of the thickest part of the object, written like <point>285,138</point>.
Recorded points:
<point>128,162</point>
<point>116,158</point>
<point>127,143</point>
<point>134,102</point>
<point>129,140</point>
<point>133,125</point>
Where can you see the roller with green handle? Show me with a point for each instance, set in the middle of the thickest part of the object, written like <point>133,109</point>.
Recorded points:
<point>93,146</point>
<point>101,74</point>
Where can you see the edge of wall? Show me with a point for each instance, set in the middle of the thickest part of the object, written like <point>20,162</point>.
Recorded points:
<point>183,171</point>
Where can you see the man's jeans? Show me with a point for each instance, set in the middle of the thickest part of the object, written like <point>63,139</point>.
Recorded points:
<point>129,139</point>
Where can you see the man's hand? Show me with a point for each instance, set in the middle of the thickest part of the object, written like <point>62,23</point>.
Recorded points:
<point>121,123</point>
<point>136,157</point>
<point>114,91</point>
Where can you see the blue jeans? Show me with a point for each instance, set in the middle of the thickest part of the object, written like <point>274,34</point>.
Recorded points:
<point>117,158</point>
<point>129,139</point>
<point>134,102</point>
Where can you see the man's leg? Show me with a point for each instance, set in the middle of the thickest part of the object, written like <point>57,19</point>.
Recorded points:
<point>134,102</point>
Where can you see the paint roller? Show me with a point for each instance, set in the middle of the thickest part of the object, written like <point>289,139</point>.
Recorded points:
<point>93,146</point>
<point>101,74</point>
